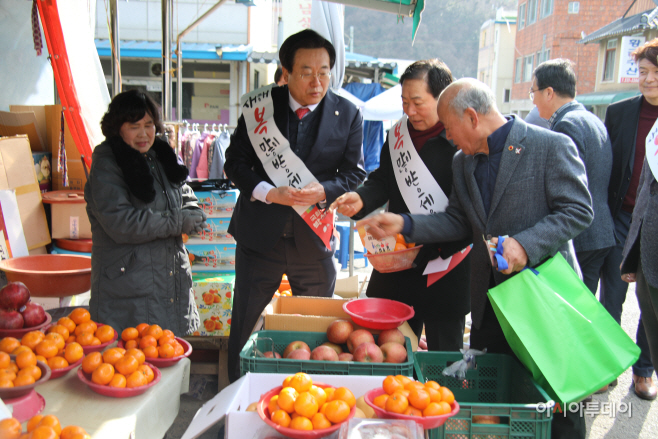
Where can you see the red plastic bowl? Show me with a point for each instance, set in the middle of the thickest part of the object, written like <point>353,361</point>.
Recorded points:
<point>50,275</point>
<point>263,412</point>
<point>116,392</point>
<point>377,313</point>
<point>19,333</point>
<point>166,362</point>
<point>15,392</point>
<point>390,262</point>
<point>74,245</point>
<point>57,373</point>
<point>427,422</point>
<point>98,348</point>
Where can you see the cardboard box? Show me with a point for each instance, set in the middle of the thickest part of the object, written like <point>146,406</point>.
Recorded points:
<point>212,257</point>
<point>314,314</point>
<point>218,204</point>
<point>348,287</point>
<point>213,294</point>
<point>17,173</point>
<point>14,124</point>
<point>70,221</point>
<point>216,232</point>
<point>231,403</point>
<point>49,120</point>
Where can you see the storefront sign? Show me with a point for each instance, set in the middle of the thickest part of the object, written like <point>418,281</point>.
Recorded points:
<point>628,69</point>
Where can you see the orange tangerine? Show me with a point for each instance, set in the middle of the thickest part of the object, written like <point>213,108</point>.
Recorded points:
<point>47,348</point>
<point>59,340</point>
<point>433,385</point>
<point>419,398</point>
<point>24,380</point>
<point>34,371</point>
<point>166,351</point>
<point>397,403</point>
<point>166,339</point>
<point>155,331</point>
<point>136,379</point>
<point>71,431</point>
<point>67,323</point>
<point>10,428</point>
<point>147,372</point>
<point>178,349</point>
<point>95,342</point>
<point>104,333</point>
<point>301,382</point>
<point>91,362</point>
<point>391,384</point>
<point>6,382</point>
<point>57,363</point>
<point>60,329</point>
<point>8,344</point>
<point>88,326</point>
<point>272,406</point>
<point>150,352</point>
<point>413,411</point>
<point>52,422</point>
<point>337,411</point>
<point>43,432</point>
<point>25,359</point>
<point>435,395</point>
<point>73,352</point>
<point>80,315</point>
<point>319,394</point>
<point>126,365</point>
<point>141,328</point>
<point>380,401</point>
<point>306,405</point>
<point>129,334</point>
<point>281,417</point>
<point>32,339</point>
<point>85,339</point>
<point>112,356</point>
<point>320,421</point>
<point>344,394</point>
<point>446,395</point>
<point>147,340</point>
<point>131,344</point>
<point>118,380</point>
<point>5,360</point>
<point>103,374</point>
<point>301,423</point>
<point>33,422</point>
<point>138,354</point>
<point>287,397</point>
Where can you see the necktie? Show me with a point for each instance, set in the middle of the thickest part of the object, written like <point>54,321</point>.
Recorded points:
<point>301,112</point>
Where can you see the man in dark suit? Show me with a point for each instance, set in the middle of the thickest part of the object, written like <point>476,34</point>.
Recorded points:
<point>509,178</point>
<point>325,133</point>
<point>553,92</point>
<point>628,123</point>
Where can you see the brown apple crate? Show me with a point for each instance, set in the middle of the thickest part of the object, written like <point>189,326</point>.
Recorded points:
<point>277,341</point>
<point>498,386</point>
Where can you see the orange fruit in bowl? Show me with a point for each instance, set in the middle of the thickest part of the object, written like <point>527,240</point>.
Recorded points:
<point>138,354</point>
<point>10,428</point>
<point>73,352</point>
<point>141,328</point>
<point>272,406</point>
<point>419,398</point>
<point>391,384</point>
<point>85,339</point>
<point>433,409</point>
<point>148,340</point>
<point>399,247</point>
<point>301,382</point>
<point>166,339</point>
<point>147,372</point>
<point>320,421</point>
<point>337,411</point>
<point>71,431</point>
<point>447,395</point>
<point>397,403</point>
<point>306,405</point>
<point>301,423</point>
<point>433,385</point>
<point>24,380</point>
<point>178,349</point>
<point>57,363</point>
<point>103,374</point>
<point>43,432</point>
<point>413,411</point>
<point>59,340</point>
<point>60,329</point>
<point>286,381</point>
<point>33,422</point>
<point>287,397</point>
<point>131,344</point>
<point>380,401</point>
<point>112,356</point>
<point>34,371</point>
<point>435,395</point>
<point>104,333</point>
<point>344,394</point>
<point>155,331</point>
<point>67,323</point>
<point>166,351</point>
<point>88,326</point>
<point>91,362</point>
<point>5,360</point>
<point>8,344</point>
<point>118,381</point>
<point>136,379</point>
<point>126,365</point>
<point>80,315</point>
<point>20,349</point>
<point>129,334</point>
<point>25,359</point>
<point>414,385</point>
<point>319,394</point>
<point>150,352</point>
<point>6,382</point>
<point>281,417</point>
<point>32,339</point>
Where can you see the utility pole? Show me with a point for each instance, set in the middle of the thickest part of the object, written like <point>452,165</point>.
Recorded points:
<point>351,39</point>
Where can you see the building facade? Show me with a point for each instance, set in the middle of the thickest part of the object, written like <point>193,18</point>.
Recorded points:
<point>616,72</point>
<point>496,56</point>
<point>549,29</point>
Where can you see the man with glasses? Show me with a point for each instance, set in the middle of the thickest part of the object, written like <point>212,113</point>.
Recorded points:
<point>273,232</point>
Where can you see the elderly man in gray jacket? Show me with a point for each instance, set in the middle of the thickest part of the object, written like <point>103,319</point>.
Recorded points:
<point>553,92</point>
<point>509,178</point>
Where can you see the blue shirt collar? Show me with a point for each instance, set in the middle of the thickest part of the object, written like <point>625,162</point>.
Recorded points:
<point>496,140</point>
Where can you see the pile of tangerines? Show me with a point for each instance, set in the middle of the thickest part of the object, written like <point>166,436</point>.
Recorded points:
<point>118,367</point>
<point>413,398</point>
<point>153,341</point>
<point>40,427</point>
<point>301,405</point>
<point>79,328</point>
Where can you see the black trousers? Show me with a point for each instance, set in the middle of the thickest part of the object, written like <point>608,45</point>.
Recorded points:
<point>257,277</point>
<point>490,335</point>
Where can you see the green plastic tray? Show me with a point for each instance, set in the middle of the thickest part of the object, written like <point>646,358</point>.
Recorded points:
<point>498,386</point>
<point>250,363</point>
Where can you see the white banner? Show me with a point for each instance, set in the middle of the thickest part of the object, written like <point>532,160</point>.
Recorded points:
<point>628,69</point>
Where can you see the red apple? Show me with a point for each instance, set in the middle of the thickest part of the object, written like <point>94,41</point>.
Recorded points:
<point>295,345</point>
<point>368,353</point>
<point>339,330</point>
<point>299,354</point>
<point>324,353</point>
<point>358,337</point>
<point>33,315</point>
<point>394,352</point>
<point>271,354</point>
<point>345,356</point>
<point>333,346</point>
<point>10,319</point>
<point>14,295</point>
<point>390,335</point>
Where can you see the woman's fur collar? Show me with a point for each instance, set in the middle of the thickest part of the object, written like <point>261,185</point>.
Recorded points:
<point>136,171</point>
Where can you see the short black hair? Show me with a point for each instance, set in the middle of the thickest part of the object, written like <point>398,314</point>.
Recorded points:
<point>277,75</point>
<point>559,75</point>
<point>129,106</point>
<point>648,51</point>
<point>306,39</point>
<point>435,72</point>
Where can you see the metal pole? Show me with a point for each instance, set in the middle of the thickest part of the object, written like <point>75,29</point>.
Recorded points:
<point>351,241</point>
<point>116,60</point>
<point>166,59</point>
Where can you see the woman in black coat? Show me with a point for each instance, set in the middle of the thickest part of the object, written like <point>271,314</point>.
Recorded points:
<point>442,306</point>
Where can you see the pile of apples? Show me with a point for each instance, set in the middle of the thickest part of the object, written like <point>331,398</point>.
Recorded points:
<point>360,343</point>
<point>16,310</point>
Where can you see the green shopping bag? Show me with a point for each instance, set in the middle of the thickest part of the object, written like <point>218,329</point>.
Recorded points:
<point>560,332</point>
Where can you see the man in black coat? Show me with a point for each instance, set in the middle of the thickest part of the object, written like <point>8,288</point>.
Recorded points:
<point>325,133</point>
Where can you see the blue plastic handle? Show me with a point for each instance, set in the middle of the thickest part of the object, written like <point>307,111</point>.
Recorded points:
<point>502,263</point>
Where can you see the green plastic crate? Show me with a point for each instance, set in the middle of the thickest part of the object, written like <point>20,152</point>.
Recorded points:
<point>498,386</point>
<point>250,363</point>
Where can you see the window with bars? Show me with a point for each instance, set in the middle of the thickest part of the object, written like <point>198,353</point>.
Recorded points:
<point>527,69</point>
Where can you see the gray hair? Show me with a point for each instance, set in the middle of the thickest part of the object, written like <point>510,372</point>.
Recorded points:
<point>472,94</point>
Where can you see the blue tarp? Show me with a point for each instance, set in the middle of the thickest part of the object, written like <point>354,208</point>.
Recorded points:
<point>373,131</point>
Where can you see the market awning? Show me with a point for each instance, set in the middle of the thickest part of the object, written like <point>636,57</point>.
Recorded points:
<point>605,98</point>
<point>153,49</point>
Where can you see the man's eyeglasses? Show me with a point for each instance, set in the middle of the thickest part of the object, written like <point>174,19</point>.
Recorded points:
<point>322,76</point>
<point>531,92</point>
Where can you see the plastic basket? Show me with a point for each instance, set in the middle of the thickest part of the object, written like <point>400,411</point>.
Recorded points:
<point>498,386</point>
<point>263,341</point>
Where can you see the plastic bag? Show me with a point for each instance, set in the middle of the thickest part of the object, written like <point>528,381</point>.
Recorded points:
<point>458,369</point>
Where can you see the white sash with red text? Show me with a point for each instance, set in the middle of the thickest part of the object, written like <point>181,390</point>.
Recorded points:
<point>281,164</point>
<point>420,191</point>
